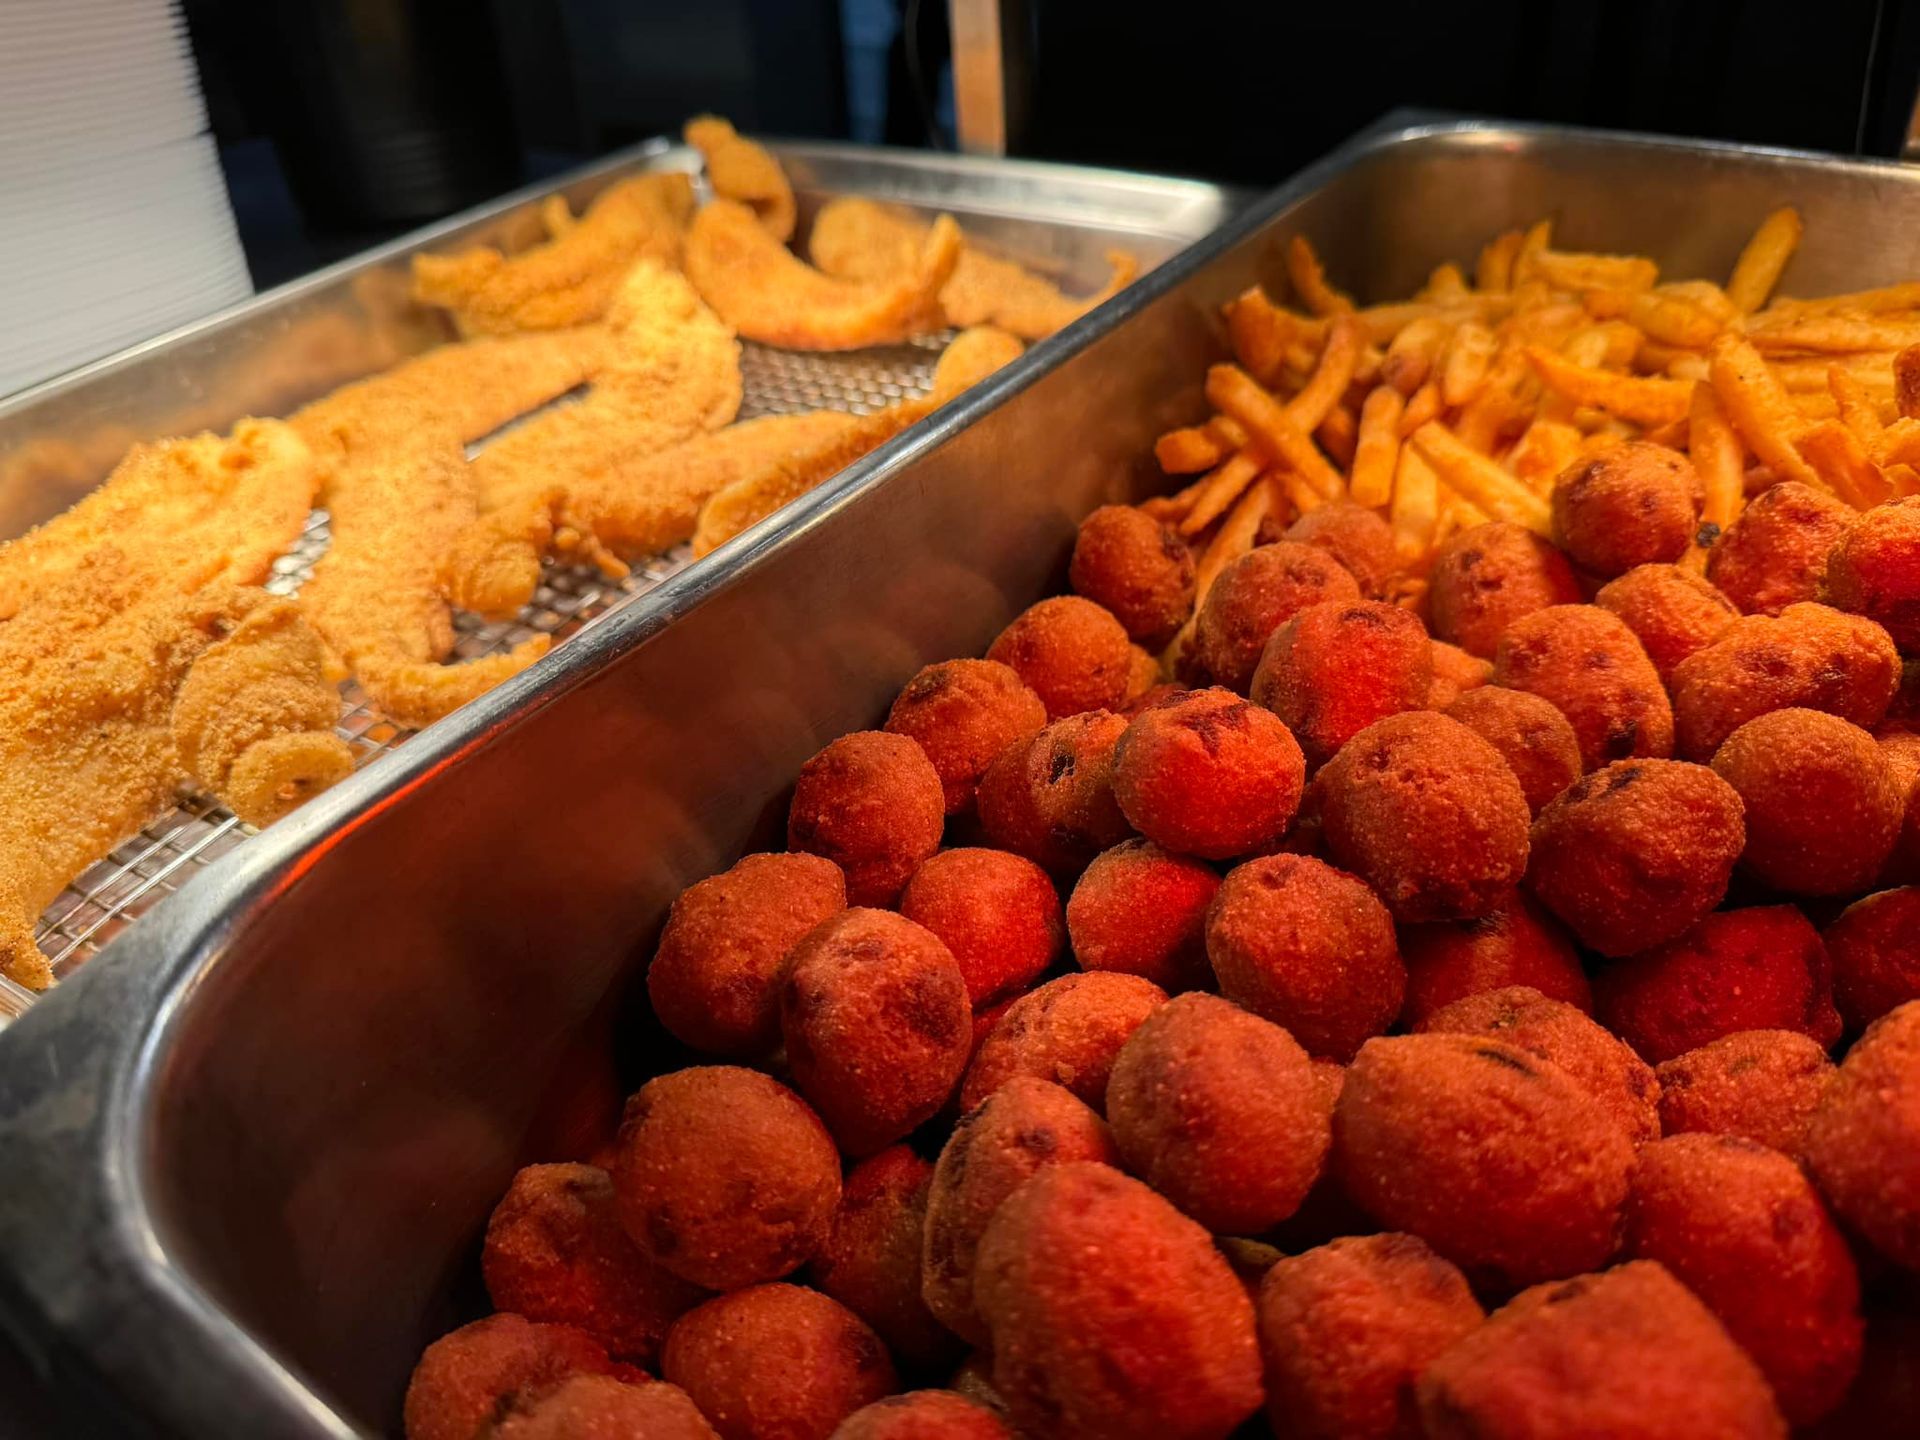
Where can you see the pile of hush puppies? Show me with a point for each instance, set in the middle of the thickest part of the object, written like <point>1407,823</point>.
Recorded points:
<point>1437,1037</point>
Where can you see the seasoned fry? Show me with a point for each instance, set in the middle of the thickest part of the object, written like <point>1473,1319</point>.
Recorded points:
<point>1260,333</point>
<point>1569,270</point>
<point>1855,403</point>
<point>1222,489</point>
<point>1478,479</point>
<point>1377,451</point>
<point>1720,460</point>
<point>1547,448</point>
<point>1233,539</point>
<point>1446,285</point>
<point>1234,391</point>
<point>1758,269</point>
<point>1837,456</point>
<point>1414,352</point>
<point>1338,434</point>
<point>1758,408</point>
<point>1310,280</point>
<point>1422,406</point>
<point>1416,505</point>
<point>1834,333</point>
<point>1526,260</point>
<point>1641,399</point>
<point>1330,379</point>
<point>738,169</point>
<point>1904,296</point>
<point>1469,353</point>
<point>1494,269</point>
<point>1190,450</point>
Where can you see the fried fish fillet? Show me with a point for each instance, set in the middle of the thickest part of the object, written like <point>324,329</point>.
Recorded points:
<point>739,169</point>
<point>767,293</point>
<point>973,355</point>
<point>858,239</point>
<point>571,279</point>
<point>182,513</point>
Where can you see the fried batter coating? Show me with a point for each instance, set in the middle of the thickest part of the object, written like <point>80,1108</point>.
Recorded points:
<point>1051,798</point>
<point>1204,773</point>
<point>1308,947</point>
<point>1335,668</point>
<point>1022,1127</point>
<point>1822,809</point>
<point>724,1176</point>
<point>1137,569</point>
<point>593,1407</point>
<point>1141,911</point>
<point>556,1254</point>
<point>870,1262</point>
<point>777,1360</point>
<point>878,1026</point>
<point>1900,748</point>
<point>1629,1353</point>
<point>1254,597</point>
<point>1145,1332</point>
<point>1762,968</point>
<point>1455,672</point>
<point>1875,948</point>
<point>1561,1033</point>
<point>1487,577</point>
<point>964,713</point>
<point>1067,1031</point>
<point>1590,666</point>
<point>1775,554</point>
<point>924,1415</point>
<point>1529,733</point>
<point>872,803</point>
<point>1355,536</point>
<point>715,978</point>
<point>1672,612</point>
<point>1808,656</point>
<point>1874,569</point>
<point>1499,1160</point>
<point>1636,852</point>
<point>1740,1226</point>
<point>1763,1085</point>
<point>486,1371</point>
<point>1345,1330</point>
<point>571,279</point>
<point>1427,813</point>
<point>1517,944</point>
<point>996,912</point>
<point>1071,653</point>
<point>1636,503</point>
<point>1864,1145</point>
<point>739,169</point>
<point>1220,1112</point>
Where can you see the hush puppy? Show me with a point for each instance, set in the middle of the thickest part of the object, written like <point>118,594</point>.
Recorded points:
<point>1672,612</point>
<point>963,714</point>
<point>489,1369</point>
<point>1487,577</point>
<point>1874,569</point>
<point>996,912</point>
<point>1633,504</point>
<point>1588,664</point>
<point>1070,652</point>
<point>1355,536</point>
<point>1532,736</point>
<point>872,803</point>
<point>1775,554</point>
<point>588,1406</point>
<point>1864,1145</point>
<point>924,1415</point>
<point>1762,1085</point>
<point>1142,911</point>
<point>1136,569</point>
<point>1255,596</point>
<point>1518,944</point>
<point>1205,773</point>
<point>1067,1031</point>
<point>1875,948</point>
<point>1051,798</point>
<point>1335,668</point>
<point>870,1260</point>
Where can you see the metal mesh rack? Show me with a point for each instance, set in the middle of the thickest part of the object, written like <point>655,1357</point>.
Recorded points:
<point>143,870</point>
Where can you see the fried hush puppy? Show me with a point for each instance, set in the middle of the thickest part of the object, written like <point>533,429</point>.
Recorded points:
<point>1635,853</point>
<point>996,912</point>
<point>1428,814</point>
<point>870,1260</point>
<point>1009,1137</point>
<point>963,714</point>
<point>1205,773</point>
<point>1808,656</point>
<point>724,1176</point>
<point>1874,569</point>
<point>1762,1085</point>
<point>1347,1328</point>
<point>715,978</point>
<point>1531,735</point>
<point>589,1407</point>
<point>1762,968</point>
<point>878,1026</point>
<point>1775,554</point>
<point>1309,948</point>
<point>1455,672</point>
<point>1220,1112</point>
<point>1070,652</point>
<point>1629,1354</point>
<point>1588,664</point>
<point>1335,668</point>
<point>1487,577</point>
<point>555,1253</point>
<point>1067,1031</point>
<point>1900,748</point>
<point>1138,570</point>
<point>1141,911</point>
<point>1672,612</point>
<point>872,803</point>
<point>1822,808</point>
<point>1874,945</point>
<point>1518,944</point>
<point>1637,503</point>
<point>1255,596</point>
<point>1051,798</point>
<point>923,1415</point>
<point>1607,1069</point>
<point>777,1360</point>
<point>1355,536</point>
<point>1499,1160</point>
<point>1864,1145</point>
<point>1740,1226</point>
<point>489,1369</point>
<point>1112,1314</point>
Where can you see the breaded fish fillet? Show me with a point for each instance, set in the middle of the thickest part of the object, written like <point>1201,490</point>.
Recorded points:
<point>739,169</point>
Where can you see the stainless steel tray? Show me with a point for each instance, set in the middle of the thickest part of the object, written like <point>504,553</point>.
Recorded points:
<point>248,1149</point>
<point>282,349</point>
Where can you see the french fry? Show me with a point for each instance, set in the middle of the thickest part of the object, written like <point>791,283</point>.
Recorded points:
<point>1553,323</point>
<point>1423,405</point>
<point>1702,295</point>
<point>1221,488</point>
<point>1414,352</point>
<point>1904,296</point>
<point>1446,284</point>
<point>1837,455</point>
<point>1645,400</point>
<point>1504,405</point>
<point>1170,509</point>
<point>1906,382</point>
<point>1259,333</point>
<point>1416,504</point>
<point>1873,370</point>
<point>1493,271</point>
<point>1673,434</point>
<point>1900,443</point>
<point>1302,496</point>
<point>1904,479</point>
<point>1758,269</point>
<point>1815,405</point>
<point>1546,449</point>
<point>1857,410</point>
<point>1686,366</point>
<point>1572,270</point>
<point>1836,334</point>
<point>1526,260</point>
<point>1231,389</point>
<point>1377,450</point>
<point>1758,408</point>
<point>1671,320</point>
<point>1310,280</point>
<point>1720,460</point>
<point>1478,479</point>
<point>1469,354</point>
<point>1190,450</point>
<point>1332,376</point>
<point>1234,539</point>
<point>1338,434</point>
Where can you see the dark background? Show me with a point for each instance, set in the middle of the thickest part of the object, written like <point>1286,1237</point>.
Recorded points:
<point>345,121</point>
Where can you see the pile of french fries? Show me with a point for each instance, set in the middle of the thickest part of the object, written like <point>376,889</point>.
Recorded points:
<point>1465,403</point>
